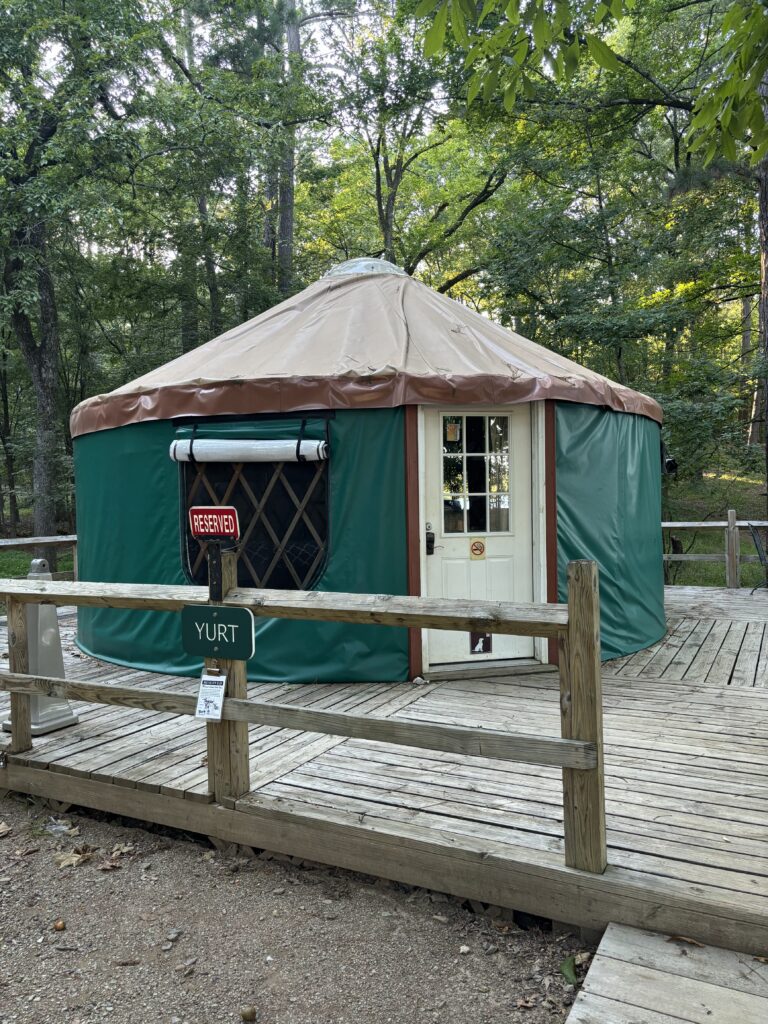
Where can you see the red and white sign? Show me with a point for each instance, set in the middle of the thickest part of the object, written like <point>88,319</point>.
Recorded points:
<point>211,521</point>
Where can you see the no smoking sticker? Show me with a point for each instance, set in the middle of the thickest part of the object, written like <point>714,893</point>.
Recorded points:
<point>476,548</point>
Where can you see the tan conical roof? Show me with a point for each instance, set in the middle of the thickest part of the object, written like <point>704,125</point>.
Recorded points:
<point>357,340</point>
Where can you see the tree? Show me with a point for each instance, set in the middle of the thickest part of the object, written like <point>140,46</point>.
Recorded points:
<point>717,84</point>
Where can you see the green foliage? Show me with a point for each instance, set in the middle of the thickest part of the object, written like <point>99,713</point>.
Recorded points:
<point>515,49</point>
<point>162,165</point>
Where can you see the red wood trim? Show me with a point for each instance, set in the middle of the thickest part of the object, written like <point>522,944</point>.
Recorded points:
<point>412,530</point>
<point>550,511</point>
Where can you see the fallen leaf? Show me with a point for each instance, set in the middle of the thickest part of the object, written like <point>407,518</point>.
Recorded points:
<point>123,849</point>
<point>75,857</point>
<point>568,970</point>
<point>5,829</point>
<point>684,938</point>
<point>109,864</point>
<point>526,1003</point>
<point>761,959</point>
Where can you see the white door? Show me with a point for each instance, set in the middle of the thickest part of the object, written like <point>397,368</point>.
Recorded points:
<point>478,506</point>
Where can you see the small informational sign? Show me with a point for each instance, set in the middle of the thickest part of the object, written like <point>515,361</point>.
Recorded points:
<point>210,699</point>
<point>216,631</point>
<point>214,522</point>
<point>480,643</point>
<point>476,548</point>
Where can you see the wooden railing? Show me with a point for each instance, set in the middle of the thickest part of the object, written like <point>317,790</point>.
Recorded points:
<point>578,751</point>
<point>43,543</point>
<point>731,554</point>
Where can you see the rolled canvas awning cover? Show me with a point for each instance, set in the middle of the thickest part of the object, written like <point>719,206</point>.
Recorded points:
<point>214,450</point>
<point>357,340</point>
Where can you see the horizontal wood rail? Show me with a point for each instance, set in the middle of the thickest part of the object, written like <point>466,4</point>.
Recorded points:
<point>36,543</point>
<point>22,543</point>
<point>731,555</point>
<point>505,746</point>
<point>575,626</point>
<point>544,620</point>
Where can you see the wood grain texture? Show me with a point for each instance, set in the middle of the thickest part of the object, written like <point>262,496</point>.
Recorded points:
<point>581,705</point>
<point>716,603</point>
<point>732,549</point>
<point>18,660</point>
<point>22,543</point>
<point>649,977</point>
<point>478,742</point>
<point>434,613</point>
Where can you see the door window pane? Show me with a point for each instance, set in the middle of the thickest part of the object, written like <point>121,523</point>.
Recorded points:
<point>476,433</point>
<point>498,433</point>
<point>452,434</point>
<point>453,475</point>
<point>453,515</point>
<point>498,476</point>
<point>476,474</point>
<point>498,513</point>
<point>477,513</point>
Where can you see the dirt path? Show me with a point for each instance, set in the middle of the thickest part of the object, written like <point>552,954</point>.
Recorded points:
<point>161,928</point>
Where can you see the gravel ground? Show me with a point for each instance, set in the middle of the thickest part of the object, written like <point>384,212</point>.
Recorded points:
<point>103,920</point>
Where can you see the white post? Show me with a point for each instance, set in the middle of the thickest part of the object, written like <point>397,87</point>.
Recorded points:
<point>45,659</point>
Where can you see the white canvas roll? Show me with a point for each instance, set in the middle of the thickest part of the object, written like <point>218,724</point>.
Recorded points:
<point>209,450</point>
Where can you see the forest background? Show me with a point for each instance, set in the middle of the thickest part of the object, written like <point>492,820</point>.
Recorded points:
<point>168,172</point>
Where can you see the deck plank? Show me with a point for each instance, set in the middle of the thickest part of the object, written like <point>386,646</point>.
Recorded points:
<point>645,976</point>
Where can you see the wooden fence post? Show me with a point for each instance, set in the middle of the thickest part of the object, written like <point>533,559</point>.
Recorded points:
<point>581,708</point>
<point>18,660</point>
<point>732,552</point>
<point>228,763</point>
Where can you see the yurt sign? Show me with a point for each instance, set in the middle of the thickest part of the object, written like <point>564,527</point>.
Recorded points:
<point>215,631</point>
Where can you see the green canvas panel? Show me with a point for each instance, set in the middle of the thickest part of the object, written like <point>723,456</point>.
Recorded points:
<point>608,478</point>
<point>128,531</point>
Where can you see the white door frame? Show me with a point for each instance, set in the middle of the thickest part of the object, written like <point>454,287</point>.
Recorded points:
<point>538,512</point>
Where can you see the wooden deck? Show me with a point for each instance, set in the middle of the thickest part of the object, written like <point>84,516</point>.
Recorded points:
<point>686,791</point>
<point>716,637</point>
<point>640,977</point>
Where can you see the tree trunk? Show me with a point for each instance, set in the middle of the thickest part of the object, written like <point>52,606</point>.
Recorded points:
<point>5,439</point>
<point>285,223</point>
<point>190,334</point>
<point>269,234</point>
<point>288,164</point>
<point>243,247</point>
<point>41,358</point>
<point>211,277</point>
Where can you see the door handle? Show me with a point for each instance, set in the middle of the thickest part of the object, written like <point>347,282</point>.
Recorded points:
<point>430,542</point>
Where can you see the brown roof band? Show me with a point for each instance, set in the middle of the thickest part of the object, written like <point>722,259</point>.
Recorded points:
<point>297,394</point>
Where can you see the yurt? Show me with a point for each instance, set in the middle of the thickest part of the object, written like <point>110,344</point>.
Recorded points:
<point>375,437</point>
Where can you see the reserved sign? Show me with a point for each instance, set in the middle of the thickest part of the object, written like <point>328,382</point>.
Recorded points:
<point>208,522</point>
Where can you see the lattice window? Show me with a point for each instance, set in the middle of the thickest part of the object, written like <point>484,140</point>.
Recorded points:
<point>283,512</point>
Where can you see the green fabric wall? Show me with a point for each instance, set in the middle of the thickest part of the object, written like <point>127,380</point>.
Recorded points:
<point>128,531</point>
<point>608,472</point>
